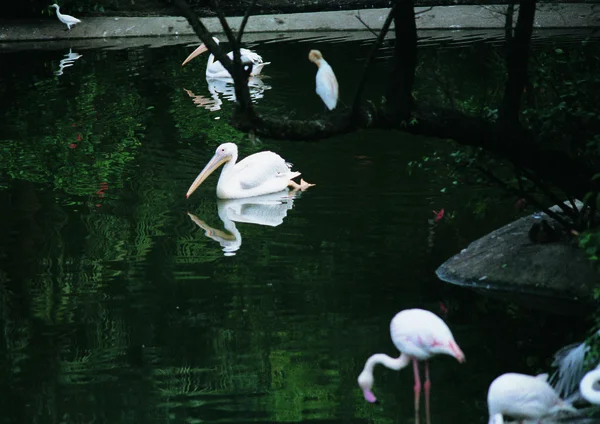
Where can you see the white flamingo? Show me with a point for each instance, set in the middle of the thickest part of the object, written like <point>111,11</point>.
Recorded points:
<point>68,20</point>
<point>327,85</point>
<point>524,397</point>
<point>418,334</point>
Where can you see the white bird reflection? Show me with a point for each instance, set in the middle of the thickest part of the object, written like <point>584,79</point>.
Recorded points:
<point>69,60</point>
<point>268,210</point>
<point>223,88</point>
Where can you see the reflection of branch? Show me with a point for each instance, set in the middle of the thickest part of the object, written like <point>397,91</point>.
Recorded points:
<point>244,22</point>
<point>370,59</point>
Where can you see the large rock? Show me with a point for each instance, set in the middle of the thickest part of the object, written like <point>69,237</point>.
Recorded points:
<point>507,260</point>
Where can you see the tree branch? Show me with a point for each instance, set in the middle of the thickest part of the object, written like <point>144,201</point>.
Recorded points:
<point>204,34</point>
<point>244,22</point>
<point>399,91</point>
<point>370,59</point>
<point>516,63</point>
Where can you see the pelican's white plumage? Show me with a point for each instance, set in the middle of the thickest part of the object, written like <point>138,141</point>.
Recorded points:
<point>523,397</point>
<point>589,386</point>
<point>327,85</point>
<point>217,70</point>
<point>68,20</point>
<point>255,175</point>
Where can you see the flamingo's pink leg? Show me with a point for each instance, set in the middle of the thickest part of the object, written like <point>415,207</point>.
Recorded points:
<point>427,390</point>
<point>417,389</point>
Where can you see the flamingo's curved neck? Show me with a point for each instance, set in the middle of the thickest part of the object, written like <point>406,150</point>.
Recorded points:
<point>387,361</point>
<point>586,387</point>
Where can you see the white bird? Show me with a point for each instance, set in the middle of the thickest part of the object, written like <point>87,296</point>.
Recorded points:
<point>258,174</point>
<point>327,85</point>
<point>589,386</point>
<point>268,210</point>
<point>68,20</point>
<point>523,397</point>
<point>418,334</point>
<point>217,70</point>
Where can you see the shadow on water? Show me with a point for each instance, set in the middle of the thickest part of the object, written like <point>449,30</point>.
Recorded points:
<point>116,308</point>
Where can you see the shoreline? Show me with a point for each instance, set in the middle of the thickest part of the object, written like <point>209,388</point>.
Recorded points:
<point>565,16</point>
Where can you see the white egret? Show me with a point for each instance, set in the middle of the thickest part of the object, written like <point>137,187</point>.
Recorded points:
<point>217,70</point>
<point>255,175</point>
<point>524,397</point>
<point>327,85</point>
<point>68,20</point>
<point>418,334</point>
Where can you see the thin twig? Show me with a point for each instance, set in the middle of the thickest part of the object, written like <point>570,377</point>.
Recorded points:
<point>527,197</point>
<point>372,54</point>
<point>424,11</point>
<point>244,22</point>
<point>365,24</point>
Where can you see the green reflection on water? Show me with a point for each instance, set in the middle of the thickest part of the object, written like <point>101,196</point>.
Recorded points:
<point>117,308</point>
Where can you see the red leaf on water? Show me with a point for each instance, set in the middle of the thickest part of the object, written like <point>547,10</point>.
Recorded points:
<point>438,215</point>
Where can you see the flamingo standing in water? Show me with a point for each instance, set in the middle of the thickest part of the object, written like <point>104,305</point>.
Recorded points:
<point>524,397</point>
<point>327,85</point>
<point>217,70</point>
<point>418,335</point>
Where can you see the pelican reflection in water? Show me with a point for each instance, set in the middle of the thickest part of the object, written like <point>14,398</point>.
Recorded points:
<point>223,88</point>
<point>268,210</point>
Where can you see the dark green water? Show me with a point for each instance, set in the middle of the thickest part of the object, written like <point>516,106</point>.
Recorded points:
<point>116,308</point>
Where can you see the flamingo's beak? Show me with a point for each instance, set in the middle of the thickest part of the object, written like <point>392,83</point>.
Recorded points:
<point>201,49</point>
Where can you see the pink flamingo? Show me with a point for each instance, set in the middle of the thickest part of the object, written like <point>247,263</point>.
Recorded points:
<point>418,335</point>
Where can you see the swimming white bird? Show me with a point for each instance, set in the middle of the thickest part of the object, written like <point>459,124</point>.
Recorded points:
<point>589,386</point>
<point>258,174</point>
<point>418,334</point>
<point>68,20</point>
<point>327,85</point>
<point>217,70</point>
<point>524,397</point>
<point>268,210</point>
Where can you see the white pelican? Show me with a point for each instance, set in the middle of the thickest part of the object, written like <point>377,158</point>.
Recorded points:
<point>524,397</point>
<point>327,85</point>
<point>258,174</point>
<point>217,70</point>
<point>418,335</point>
<point>68,20</point>
<point>268,210</point>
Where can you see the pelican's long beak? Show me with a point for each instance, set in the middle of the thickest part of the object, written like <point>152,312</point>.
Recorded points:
<point>210,167</point>
<point>195,53</point>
